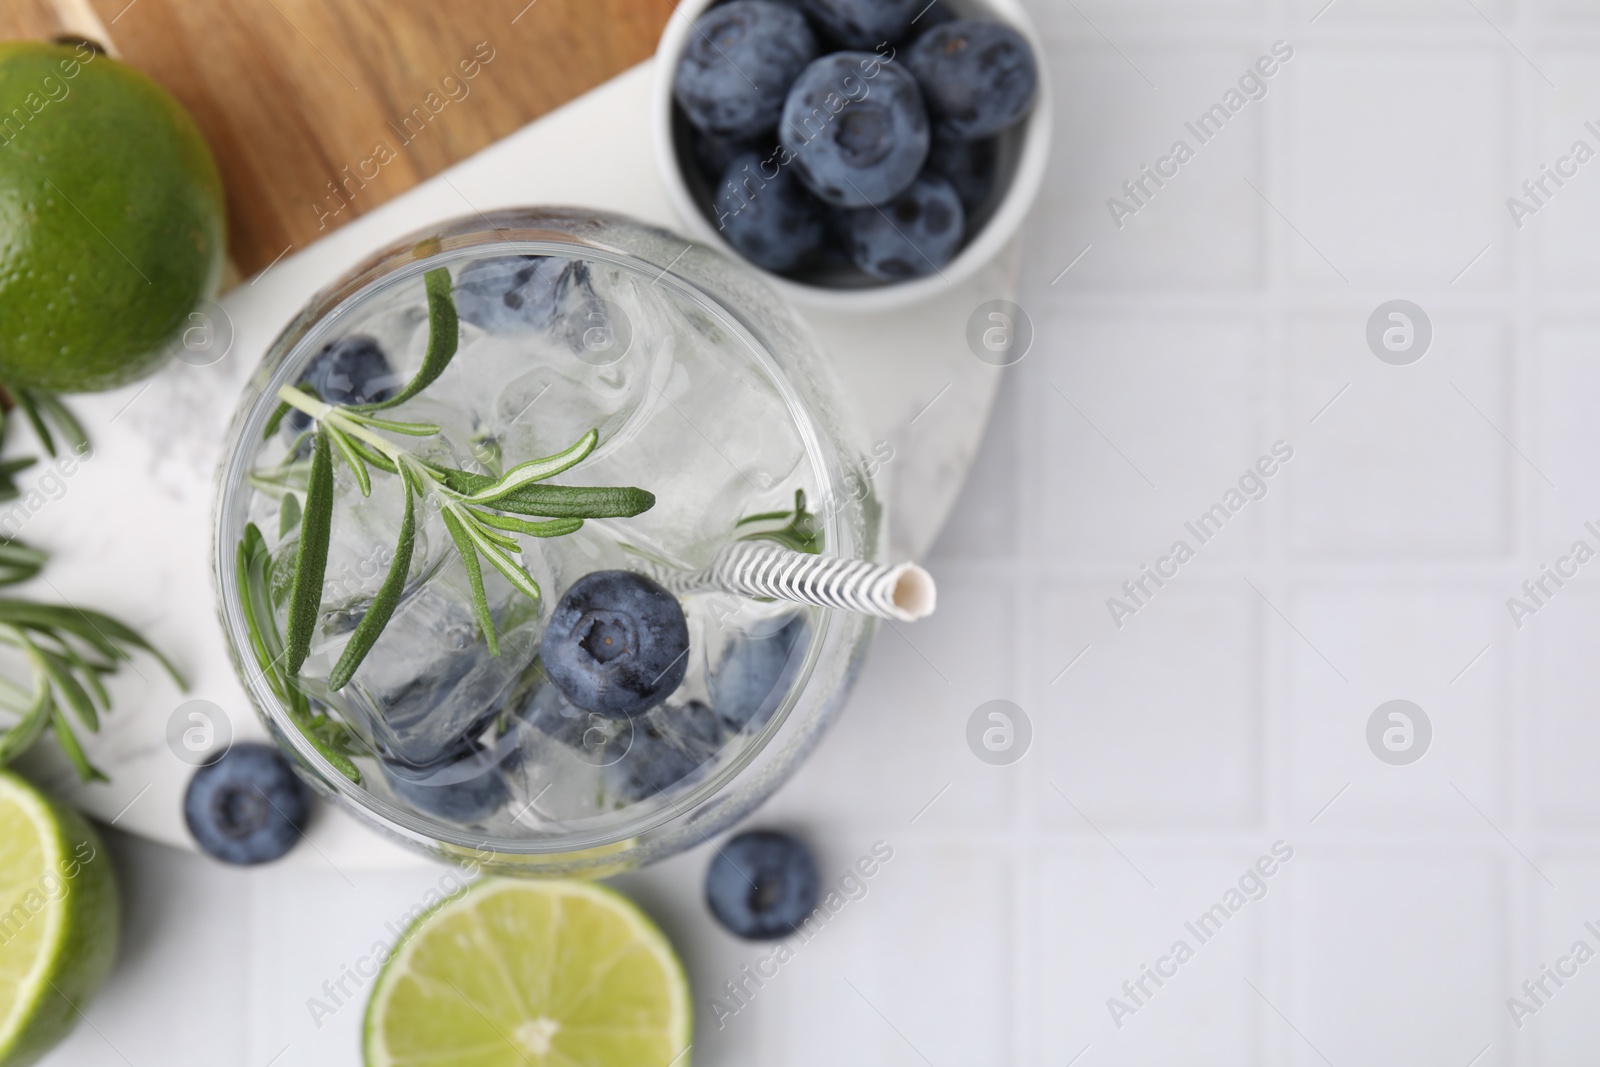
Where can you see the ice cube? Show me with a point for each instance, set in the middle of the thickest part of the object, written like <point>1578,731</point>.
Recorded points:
<point>430,680</point>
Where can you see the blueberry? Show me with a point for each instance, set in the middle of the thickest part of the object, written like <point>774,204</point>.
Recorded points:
<point>551,294</point>
<point>668,746</point>
<point>863,23</point>
<point>866,151</point>
<point>248,806</point>
<point>738,65</point>
<point>755,675</point>
<point>768,215</point>
<point>351,370</point>
<point>969,166</point>
<point>978,76</point>
<point>712,154</point>
<point>464,786</point>
<point>762,885</point>
<point>915,235</point>
<point>616,644</point>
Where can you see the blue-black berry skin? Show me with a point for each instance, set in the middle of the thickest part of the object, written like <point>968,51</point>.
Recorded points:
<point>969,166</point>
<point>467,786</point>
<point>669,746</point>
<point>754,677</point>
<point>762,885</point>
<point>712,154</point>
<point>518,293</point>
<point>247,807</point>
<point>616,644</point>
<point>978,76</point>
<point>351,370</point>
<point>768,215</point>
<point>917,234</point>
<point>738,64</point>
<point>855,128</point>
<point>864,23</point>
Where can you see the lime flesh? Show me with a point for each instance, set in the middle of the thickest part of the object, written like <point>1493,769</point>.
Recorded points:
<point>529,973</point>
<point>58,920</point>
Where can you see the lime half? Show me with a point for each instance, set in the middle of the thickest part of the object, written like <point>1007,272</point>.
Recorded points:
<point>524,974</point>
<point>58,920</point>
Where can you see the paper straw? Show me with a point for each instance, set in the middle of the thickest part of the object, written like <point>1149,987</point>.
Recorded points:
<point>765,569</point>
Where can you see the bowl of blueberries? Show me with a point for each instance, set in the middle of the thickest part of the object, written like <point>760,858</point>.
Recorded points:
<point>863,154</point>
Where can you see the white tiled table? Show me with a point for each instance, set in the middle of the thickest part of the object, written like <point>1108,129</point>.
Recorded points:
<point>1228,714</point>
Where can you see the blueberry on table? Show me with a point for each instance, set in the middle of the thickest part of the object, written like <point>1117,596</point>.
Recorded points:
<point>867,150</point>
<point>351,370</point>
<point>738,64</point>
<point>616,644</point>
<point>464,786</point>
<point>864,23</point>
<point>917,234</point>
<point>513,293</point>
<point>762,885</point>
<point>969,166</point>
<point>247,807</point>
<point>978,76</point>
<point>767,215</point>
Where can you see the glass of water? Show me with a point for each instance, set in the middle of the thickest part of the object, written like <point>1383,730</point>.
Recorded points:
<point>704,391</point>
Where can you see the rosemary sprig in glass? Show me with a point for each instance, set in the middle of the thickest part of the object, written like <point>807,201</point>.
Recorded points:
<point>481,512</point>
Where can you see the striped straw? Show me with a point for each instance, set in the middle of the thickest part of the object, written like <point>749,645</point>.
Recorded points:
<point>764,569</point>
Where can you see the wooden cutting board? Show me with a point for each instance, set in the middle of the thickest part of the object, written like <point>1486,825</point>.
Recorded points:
<point>320,110</point>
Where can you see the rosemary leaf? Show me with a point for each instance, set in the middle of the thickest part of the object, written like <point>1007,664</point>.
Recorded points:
<point>444,334</point>
<point>274,420</point>
<point>266,646</point>
<point>68,689</point>
<point>536,470</point>
<point>372,456</point>
<point>410,429</point>
<point>18,562</point>
<point>502,562</point>
<point>552,528</point>
<point>469,558</point>
<point>74,752</point>
<point>311,562</point>
<point>576,502</point>
<point>27,730</point>
<point>383,605</point>
<point>355,463</point>
<point>55,411</point>
<point>495,537</point>
<point>31,410</point>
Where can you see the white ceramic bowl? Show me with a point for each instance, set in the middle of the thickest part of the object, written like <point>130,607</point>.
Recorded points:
<point>1025,149</point>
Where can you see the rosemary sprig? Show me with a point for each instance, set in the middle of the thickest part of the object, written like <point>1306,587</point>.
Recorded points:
<point>328,736</point>
<point>42,409</point>
<point>797,529</point>
<point>68,651</point>
<point>480,512</point>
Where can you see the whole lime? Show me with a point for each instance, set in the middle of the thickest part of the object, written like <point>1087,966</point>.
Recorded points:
<point>111,219</point>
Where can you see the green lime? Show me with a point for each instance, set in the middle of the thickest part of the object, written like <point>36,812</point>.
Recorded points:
<point>58,920</point>
<point>527,974</point>
<point>111,219</point>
